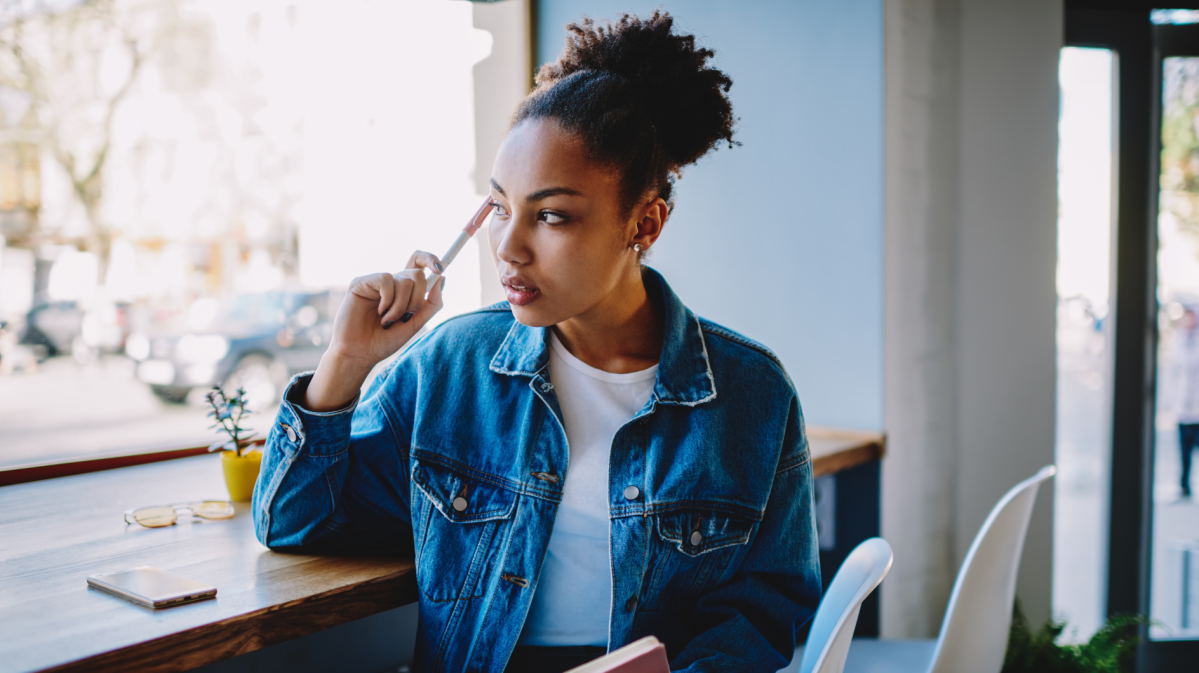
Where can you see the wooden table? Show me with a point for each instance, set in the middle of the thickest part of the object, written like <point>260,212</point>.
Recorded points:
<point>55,533</point>
<point>834,449</point>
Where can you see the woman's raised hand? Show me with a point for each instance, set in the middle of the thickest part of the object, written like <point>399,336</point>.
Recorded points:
<point>379,314</point>
<point>382,311</point>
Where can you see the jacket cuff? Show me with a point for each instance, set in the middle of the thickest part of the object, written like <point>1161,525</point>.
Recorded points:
<point>323,432</point>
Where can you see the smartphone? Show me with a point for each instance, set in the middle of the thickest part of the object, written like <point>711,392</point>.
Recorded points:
<point>152,587</point>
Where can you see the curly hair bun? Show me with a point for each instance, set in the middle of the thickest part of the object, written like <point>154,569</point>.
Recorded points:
<point>642,97</point>
<point>685,99</point>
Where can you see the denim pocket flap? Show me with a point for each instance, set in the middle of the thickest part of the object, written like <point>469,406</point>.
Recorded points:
<point>461,498</point>
<point>699,531</point>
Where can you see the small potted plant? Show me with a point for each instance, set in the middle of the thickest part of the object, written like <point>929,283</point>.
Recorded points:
<point>239,461</point>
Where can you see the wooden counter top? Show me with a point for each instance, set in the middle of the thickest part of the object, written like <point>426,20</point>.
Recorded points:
<point>55,533</point>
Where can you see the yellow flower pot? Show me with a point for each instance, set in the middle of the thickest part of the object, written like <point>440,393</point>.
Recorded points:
<point>241,473</point>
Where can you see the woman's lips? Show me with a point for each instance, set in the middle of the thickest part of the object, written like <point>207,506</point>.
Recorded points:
<point>521,295</point>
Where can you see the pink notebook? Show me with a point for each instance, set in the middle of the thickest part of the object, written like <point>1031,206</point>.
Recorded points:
<point>640,656</point>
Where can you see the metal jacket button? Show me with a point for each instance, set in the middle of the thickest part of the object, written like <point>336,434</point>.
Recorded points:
<point>631,492</point>
<point>459,504</point>
<point>696,538</point>
<point>291,433</point>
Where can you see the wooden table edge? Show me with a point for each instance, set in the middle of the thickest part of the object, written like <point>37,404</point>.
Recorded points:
<point>249,631</point>
<point>866,447</point>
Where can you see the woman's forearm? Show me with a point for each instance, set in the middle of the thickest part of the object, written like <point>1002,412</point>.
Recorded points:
<point>336,382</point>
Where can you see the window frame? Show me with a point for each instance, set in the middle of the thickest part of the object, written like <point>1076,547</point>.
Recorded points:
<point>1126,29</point>
<point>23,474</point>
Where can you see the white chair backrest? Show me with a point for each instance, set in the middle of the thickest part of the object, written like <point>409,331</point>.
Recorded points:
<point>832,627</point>
<point>975,631</point>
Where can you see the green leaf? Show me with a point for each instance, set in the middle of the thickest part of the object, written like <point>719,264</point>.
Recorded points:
<point>1110,650</point>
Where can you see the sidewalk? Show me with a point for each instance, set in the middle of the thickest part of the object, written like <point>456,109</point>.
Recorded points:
<point>67,410</point>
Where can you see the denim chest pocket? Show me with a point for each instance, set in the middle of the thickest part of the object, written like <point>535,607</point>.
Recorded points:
<point>692,549</point>
<point>462,522</point>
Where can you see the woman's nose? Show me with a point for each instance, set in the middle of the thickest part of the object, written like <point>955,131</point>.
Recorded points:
<point>512,246</point>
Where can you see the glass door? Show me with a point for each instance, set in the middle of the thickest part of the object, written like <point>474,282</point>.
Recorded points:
<point>1174,527</point>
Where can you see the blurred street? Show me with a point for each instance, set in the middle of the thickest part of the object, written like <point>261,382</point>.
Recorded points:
<point>1083,461</point>
<point>68,410</point>
<point>1175,527</point>
<point>1081,485</point>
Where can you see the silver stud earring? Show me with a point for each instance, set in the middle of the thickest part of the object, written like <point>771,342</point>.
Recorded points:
<point>637,247</point>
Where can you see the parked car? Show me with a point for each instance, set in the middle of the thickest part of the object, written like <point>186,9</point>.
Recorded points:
<point>256,342</point>
<point>55,328</point>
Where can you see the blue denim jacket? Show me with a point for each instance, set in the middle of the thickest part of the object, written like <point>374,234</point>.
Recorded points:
<point>459,444</point>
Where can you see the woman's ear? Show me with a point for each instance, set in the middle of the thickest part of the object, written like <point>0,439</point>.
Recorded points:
<point>650,223</point>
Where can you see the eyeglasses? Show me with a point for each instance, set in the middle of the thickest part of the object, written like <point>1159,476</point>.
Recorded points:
<point>166,515</point>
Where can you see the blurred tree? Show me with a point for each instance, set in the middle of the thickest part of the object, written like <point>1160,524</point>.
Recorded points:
<point>71,64</point>
<point>1180,143</point>
<point>81,82</point>
<point>76,62</point>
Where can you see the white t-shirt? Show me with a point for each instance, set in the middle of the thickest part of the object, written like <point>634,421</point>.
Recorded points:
<point>573,600</point>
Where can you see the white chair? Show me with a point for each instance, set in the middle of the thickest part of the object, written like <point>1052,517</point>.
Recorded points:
<point>975,631</point>
<point>833,625</point>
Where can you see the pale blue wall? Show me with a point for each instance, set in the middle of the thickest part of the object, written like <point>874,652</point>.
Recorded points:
<point>782,238</point>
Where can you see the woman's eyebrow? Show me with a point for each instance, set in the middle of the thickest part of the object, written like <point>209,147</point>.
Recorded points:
<point>552,191</point>
<point>542,194</point>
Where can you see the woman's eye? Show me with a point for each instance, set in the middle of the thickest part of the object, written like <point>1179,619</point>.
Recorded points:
<point>551,218</point>
<point>501,211</point>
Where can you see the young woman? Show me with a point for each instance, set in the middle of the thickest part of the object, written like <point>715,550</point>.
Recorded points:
<point>589,462</point>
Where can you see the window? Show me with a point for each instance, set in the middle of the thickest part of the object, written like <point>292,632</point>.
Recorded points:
<point>1084,335</point>
<point>1174,587</point>
<point>187,187</point>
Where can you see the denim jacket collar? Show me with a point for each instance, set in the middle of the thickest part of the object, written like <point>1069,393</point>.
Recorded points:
<point>684,373</point>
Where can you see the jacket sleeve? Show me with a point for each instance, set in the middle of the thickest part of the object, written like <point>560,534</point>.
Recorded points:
<point>749,624</point>
<point>336,479</point>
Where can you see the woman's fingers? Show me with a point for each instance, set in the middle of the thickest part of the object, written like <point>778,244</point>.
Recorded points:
<point>406,289</point>
<point>411,288</point>
<point>377,288</point>
<point>401,296</point>
<point>424,260</point>
<point>420,311</point>
<point>385,286</point>
<point>433,304</point>
<point>417,298</point>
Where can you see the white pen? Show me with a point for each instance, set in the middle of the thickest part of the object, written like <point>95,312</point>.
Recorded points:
<point>469,230</point>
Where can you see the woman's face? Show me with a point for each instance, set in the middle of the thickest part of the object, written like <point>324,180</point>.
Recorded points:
<point>560,243</point>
